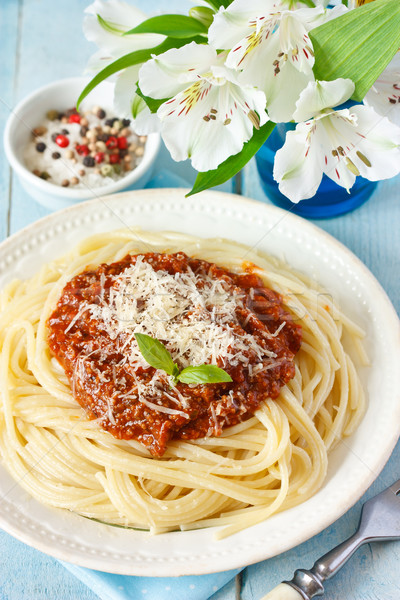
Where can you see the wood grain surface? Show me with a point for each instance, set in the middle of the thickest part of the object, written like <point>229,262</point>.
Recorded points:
<point>42,40</point>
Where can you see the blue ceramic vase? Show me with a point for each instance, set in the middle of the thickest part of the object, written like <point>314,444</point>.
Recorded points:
<point>330,200</point>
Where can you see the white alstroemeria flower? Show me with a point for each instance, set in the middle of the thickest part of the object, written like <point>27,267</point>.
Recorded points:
<point>270,45</point>
<point>357,3</point>
<point>210,116</point>
<point>384,96</point>
<point>120,17</point>
<point>127,104</point>
<point>342,144</point>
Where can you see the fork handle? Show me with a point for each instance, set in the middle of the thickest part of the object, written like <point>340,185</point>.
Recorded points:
<point>283,592</point>
<point>308,584</point>
<point>330,563</point>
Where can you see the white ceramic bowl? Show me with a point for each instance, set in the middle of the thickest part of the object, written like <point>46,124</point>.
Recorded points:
<point>30,113</point>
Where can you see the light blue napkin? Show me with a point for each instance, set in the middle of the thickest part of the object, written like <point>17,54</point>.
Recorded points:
<point>122,587</point>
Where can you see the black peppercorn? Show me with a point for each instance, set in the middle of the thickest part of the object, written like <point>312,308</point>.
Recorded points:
<point>56,155</point>
<point>110,122</point>
<point>126,122</point>
<point>123,152</point>
<point>101,113</point>
<point>54,136</point>
<point>103,137</point>
<point>40,147</point>
<point>64,131</point>
<point>83,130</point>
<point>89,161</point>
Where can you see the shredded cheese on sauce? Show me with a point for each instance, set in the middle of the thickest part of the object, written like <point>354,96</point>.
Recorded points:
<point>193,314</point>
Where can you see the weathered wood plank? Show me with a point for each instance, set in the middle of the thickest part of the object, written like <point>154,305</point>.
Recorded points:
<point>10,13</point>
<point>371,231</point>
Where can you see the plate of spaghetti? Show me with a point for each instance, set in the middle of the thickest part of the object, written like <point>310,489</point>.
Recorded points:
<point>187,385</point>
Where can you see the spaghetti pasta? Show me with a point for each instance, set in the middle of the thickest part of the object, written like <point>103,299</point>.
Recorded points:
<point>273,460</point>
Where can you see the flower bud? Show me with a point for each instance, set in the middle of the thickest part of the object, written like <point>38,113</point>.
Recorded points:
<point>203,14</point>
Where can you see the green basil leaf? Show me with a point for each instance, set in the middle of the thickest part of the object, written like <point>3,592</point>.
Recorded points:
<point>233,164</point>
<point>156,354</point>
<point>177,26</point>
<point>134,58</point>
<point>204,374</point>
<point>358,45</point>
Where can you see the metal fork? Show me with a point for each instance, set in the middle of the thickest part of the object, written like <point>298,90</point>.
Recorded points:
<point>380,521</point>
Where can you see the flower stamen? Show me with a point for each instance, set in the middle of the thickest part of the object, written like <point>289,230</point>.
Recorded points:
<point>352,167</point>
<point>364,159</point>
<point>254,118</point>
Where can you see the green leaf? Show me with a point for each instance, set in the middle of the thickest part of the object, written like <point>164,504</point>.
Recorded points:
<point>309,3</point>
<point>156,354</point>
<point>218,3</point>
<point>177,26</point>
<point>233,164</point>
<point>293,4</point>
<point>152,103</point>
<point>358,45</point>
<point>204,374</point>
<point>109,26</point>
<point>134,58</point>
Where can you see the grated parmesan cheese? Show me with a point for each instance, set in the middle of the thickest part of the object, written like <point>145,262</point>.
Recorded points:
<point>193,314</point>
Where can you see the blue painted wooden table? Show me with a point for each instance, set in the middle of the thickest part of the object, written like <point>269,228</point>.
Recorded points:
<point>42,40</point>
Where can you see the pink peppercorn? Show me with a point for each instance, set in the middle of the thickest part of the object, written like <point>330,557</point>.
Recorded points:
<point>122,143</point>
<point>82,149</point>
<point>99,157</point>
<point>74,118</point>
<point>62,141</point>
<point>114,159</point>
<point>112,142</point>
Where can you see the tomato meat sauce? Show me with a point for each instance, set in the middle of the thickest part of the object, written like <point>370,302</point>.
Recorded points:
<point>110,388</point>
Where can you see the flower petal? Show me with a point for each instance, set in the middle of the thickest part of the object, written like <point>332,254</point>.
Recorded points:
<point>244,96</point>
<point>322,94</point>
<point>145,122</point>
<point>125,91</point>
<point>297,166</point>
<point>127,104</point>
<point>208,123</point>
<point>281,83</point>
<point>122,17</point>
<point>295,43</point>
<point>284,92</point>
<point>280,43</point>
<point>384,96</point>
<point>169,73</point>
<point>377,151</point>
<point>332,141</point>
<point>98,61</point>
<point>313,17</point>
<point>234,23</point>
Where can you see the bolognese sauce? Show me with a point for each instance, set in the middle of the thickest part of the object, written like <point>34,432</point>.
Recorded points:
<point>203,313</point>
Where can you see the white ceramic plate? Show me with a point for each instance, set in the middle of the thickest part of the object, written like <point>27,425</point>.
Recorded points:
<point>353,465</point>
